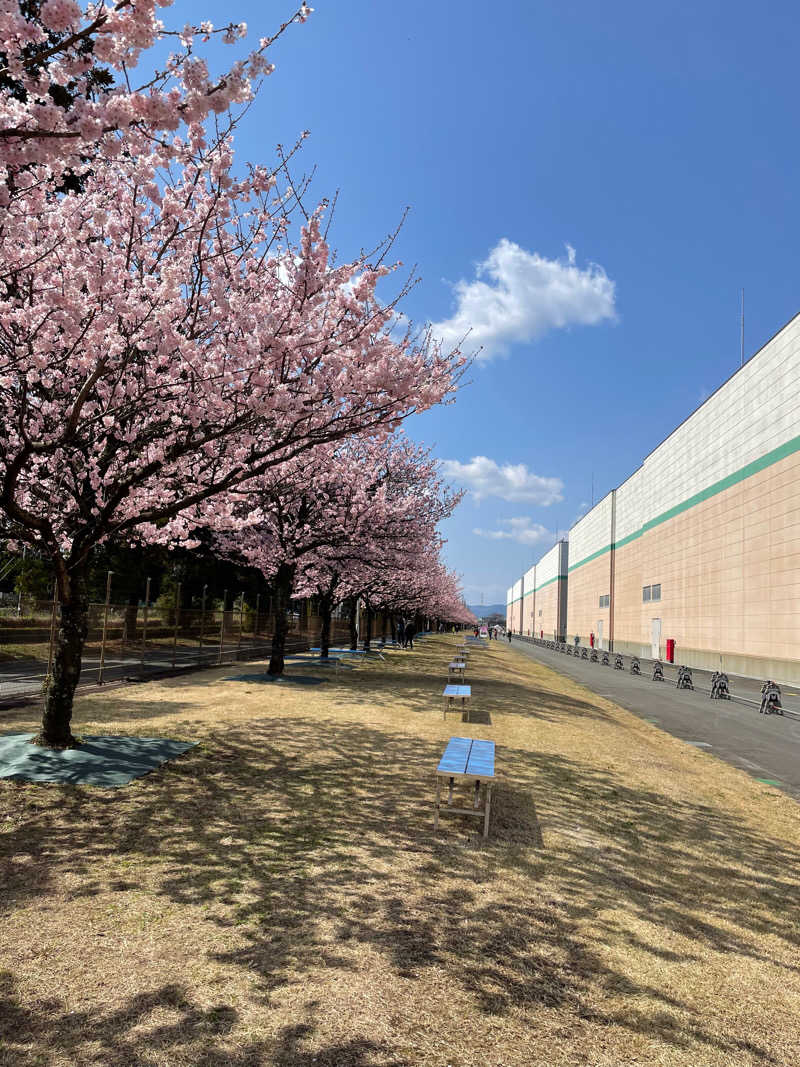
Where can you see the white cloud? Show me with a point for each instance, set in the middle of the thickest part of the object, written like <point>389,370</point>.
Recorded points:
<point>511,481</point>
<point>517,296</point>
<point>522,530</point>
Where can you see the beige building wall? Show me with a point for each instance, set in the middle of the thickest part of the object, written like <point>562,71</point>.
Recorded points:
<point>527,613</point>
<point>590,563</point>
<point>528,598</point>
<point>729,571</point>
<point>587,584</point>
<point>550,598</point>
<point>547,610</point>
<point>712,517</point>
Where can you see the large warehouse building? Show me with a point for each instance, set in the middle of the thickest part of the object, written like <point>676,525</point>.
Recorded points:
<point>701,544</point>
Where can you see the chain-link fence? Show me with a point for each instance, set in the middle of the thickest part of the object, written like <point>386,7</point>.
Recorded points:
<point>135,641</point>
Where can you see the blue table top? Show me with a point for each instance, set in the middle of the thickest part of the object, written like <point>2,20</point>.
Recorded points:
<point>464,755</point>
<point>457,691</point>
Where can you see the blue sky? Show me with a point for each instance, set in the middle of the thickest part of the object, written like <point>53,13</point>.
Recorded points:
<point>590,185</point>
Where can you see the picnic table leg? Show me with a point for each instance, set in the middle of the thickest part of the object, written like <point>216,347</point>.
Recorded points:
<point>450,793</point>
<point>436,806</point>
<point>487,809</point>
<point>476,803</point>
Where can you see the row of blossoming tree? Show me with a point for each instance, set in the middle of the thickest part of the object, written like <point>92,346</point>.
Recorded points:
<point>179,348</point>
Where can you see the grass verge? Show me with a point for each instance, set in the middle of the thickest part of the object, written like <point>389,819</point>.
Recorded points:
<point>277,896</point>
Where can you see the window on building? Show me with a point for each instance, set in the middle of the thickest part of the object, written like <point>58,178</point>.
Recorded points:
<point>605,601</point>
<point>656,592</point>
<point>646,593</point>
<point>540,612</point>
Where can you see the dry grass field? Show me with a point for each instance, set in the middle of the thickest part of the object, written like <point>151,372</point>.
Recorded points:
<point>277,896</point>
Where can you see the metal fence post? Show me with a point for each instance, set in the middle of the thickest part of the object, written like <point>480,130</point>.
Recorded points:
<point>241,620</point>
<point>203,617</point>
<point>144,620</point>
<point>105,629</point>
<point>256,621</point>
<point>222,625</point>
<point>177,616</point>
<point>52,629</point>
<point>21,581</point>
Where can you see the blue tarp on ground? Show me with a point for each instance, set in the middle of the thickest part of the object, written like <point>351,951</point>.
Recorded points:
<point>108,761</point>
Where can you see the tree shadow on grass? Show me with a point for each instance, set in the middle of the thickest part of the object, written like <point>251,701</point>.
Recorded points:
<point>135,1032</point>
<point>328,827</point>
<point>308,844</point>
<point>421,692</point>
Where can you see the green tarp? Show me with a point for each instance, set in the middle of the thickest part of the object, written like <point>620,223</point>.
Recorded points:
<point>109,761</point>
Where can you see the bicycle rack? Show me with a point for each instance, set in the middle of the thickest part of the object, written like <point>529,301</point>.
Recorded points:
<point>771,699</point>
<point>593,656</point>
<point>719,686</point>
<point>684,678</point>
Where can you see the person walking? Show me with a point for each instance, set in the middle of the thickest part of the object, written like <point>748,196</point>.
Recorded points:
<point>401,634</point>
<point>410,634</point>
<point>508,635</point>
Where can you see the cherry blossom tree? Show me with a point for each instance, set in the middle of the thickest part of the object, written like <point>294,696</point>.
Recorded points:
<point>162,341</point>
<point>332,509</point>
<point>50,53</point>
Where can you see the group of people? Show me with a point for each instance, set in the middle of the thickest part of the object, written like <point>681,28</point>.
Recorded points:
<point>406,632</point>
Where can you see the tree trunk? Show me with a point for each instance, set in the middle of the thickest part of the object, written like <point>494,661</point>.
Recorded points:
<point>61,685</point>
<point>367,628</point>
<point>353,627</point>
<point>284,581</point>
<point>325,606</point>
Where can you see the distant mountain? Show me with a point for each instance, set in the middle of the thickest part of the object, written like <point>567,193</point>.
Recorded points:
<point>483,610</point>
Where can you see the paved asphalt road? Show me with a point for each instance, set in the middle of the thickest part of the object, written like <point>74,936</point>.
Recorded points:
<point>767,747</point>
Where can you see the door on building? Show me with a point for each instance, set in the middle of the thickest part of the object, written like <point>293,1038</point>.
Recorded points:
<point>600,634</point>
<point>655,638</point>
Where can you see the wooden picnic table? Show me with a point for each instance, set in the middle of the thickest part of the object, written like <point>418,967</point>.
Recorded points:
<point>469,761</point>
<point>453,693</point>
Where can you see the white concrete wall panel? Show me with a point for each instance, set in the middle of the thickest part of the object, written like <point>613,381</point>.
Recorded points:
<point>754,412</point>
<point>591,533</point>
<point>549,566</point>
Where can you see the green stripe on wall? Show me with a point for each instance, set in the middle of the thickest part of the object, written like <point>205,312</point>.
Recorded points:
<point>755,467</point>
<point>558,578</point>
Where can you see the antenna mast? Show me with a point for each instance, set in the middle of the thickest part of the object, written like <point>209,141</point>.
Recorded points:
<point>741,361</point>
